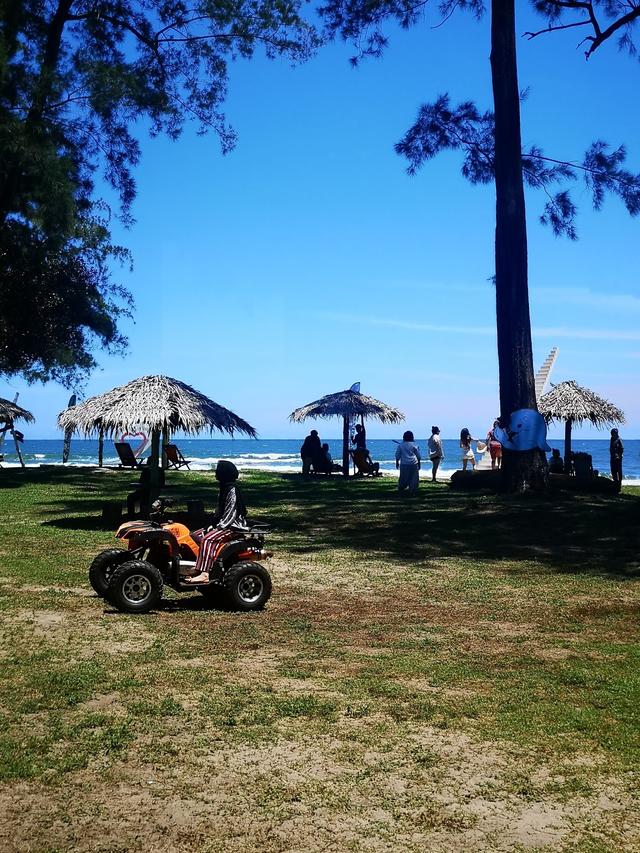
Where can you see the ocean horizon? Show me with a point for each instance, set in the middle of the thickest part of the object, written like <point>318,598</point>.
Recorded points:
<point>283,455</point>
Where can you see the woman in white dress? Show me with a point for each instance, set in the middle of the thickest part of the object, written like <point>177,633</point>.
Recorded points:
<point>467,451</point>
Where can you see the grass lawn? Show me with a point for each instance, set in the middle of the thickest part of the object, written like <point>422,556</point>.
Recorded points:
<point>451,673</point>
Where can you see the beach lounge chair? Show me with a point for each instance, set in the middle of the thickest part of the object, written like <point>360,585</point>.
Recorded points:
<point>174,457</point>
<point>128,459</point>
<point>363,467</point>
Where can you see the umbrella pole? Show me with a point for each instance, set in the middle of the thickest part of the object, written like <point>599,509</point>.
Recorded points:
<point>567,446</point>
<point>100,447</point>
<point>165,441</point>
<point>345,446</point>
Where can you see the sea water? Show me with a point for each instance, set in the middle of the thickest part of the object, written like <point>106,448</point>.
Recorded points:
<point>284,454</point>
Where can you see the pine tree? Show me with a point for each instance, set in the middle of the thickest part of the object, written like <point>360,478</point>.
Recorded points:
<point>492,149</point>
<point>76,78</point>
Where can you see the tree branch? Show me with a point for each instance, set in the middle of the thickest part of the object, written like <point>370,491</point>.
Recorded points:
<point>601,34</point>
<point>551,29</point>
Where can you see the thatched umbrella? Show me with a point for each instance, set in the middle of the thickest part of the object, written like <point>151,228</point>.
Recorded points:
<point>571,403</point>
<point>347,404</point>
<point>10,412</point>
<point>162,404</point>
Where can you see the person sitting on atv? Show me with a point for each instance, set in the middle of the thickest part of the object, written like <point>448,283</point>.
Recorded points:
<point>231,513</point>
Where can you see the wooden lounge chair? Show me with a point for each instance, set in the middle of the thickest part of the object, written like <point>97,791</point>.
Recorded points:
<point>174,457</point>
<point>128,459</point>
<point>364,468</point>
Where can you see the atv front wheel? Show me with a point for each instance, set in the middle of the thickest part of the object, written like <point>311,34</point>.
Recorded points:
<point>135,587</point>
<point>103,566</point>
<point>247,586</point>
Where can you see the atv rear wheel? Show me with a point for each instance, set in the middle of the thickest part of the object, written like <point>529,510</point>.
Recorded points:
<point>247,586</point>
<point>103,566</point>
<point>135,587</point>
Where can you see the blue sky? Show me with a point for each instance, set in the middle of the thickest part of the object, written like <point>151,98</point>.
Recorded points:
<point>307,259</point>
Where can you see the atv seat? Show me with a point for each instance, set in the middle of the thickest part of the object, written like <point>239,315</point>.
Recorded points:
<point>174,457</point>
<point>128,459</point>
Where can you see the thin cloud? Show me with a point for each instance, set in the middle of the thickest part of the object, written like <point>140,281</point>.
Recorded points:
<point>555,332</point>
<point>588,298</point>
<point>409,326</point>
<point>588,334</point>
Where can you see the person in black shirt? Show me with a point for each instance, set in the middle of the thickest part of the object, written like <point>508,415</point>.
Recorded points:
<point>556,465</point>
<point>359,440</point>
<point>616,450</point>
<point>232,512</point>
<point>311,452</point>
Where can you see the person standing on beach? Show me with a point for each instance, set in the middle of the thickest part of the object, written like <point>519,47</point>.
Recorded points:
<point>616,450</point>
<point>467,451</point>
<point>359,440</point>
<point>436,453</point>
<point>408,461</point>
<point>310,452</point>
<point>495,448</point>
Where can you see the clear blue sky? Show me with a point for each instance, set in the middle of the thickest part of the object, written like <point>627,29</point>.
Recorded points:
<point>307,259</point>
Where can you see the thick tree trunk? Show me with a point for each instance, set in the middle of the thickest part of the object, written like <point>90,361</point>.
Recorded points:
<point>515,355</point>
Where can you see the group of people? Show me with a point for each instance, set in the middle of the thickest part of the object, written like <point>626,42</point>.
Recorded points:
<point>316,456</point>
<point>408,458</point>
<point>232,510</point>
<point>557,464</point>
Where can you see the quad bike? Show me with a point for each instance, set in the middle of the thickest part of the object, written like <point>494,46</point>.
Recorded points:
<point>163,553</point>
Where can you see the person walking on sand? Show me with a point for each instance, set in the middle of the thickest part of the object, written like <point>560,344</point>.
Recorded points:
<point>467,451</point>
<point>408,461</point>
<point>616,451</point>
<point>436,453</point>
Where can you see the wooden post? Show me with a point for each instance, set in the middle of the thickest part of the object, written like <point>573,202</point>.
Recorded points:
<point>165,440</point>
<point>345,446</point>
<point>17,444</point>
<point>567,446</point>
<point>100,447</point>
<point>155,475</point>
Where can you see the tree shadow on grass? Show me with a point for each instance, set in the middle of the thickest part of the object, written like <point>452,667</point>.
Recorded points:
<point>565,532</point>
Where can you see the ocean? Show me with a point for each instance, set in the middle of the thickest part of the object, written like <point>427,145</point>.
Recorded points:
<point>284,454</point>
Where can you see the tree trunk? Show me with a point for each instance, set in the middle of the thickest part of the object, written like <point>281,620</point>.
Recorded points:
<point>515,355</point>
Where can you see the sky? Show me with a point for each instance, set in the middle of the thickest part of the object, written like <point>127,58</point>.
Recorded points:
<point>307,259</point>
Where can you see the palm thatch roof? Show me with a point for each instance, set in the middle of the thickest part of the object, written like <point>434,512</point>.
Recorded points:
<point>11,412</point>
<point>157,402</point>
<point>570,401</point>
<point>347,404</point>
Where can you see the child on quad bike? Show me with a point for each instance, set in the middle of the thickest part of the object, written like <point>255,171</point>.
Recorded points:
<point>231,514</point>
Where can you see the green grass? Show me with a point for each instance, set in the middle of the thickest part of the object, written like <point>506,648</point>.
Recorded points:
<point>483,646</point>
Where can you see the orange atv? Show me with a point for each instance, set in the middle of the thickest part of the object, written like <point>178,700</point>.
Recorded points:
<point>159,554</point>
